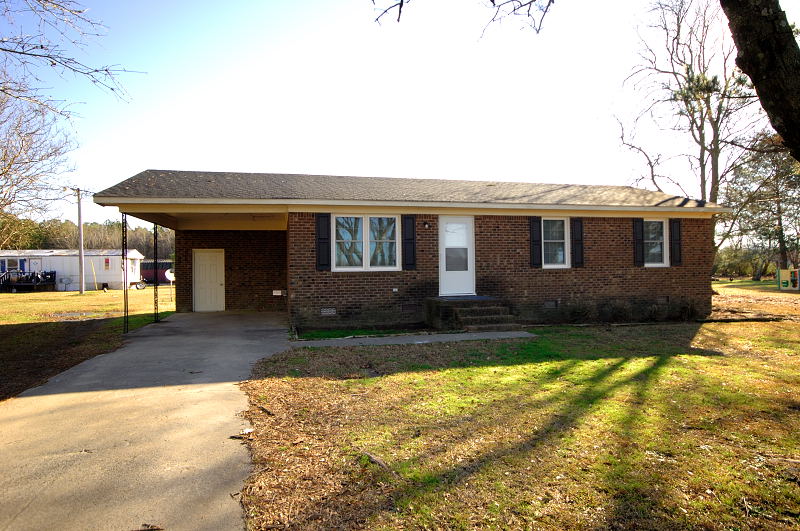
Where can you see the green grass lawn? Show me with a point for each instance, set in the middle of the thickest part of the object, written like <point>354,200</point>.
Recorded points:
<point>644,427</point>
<point>45,333</point>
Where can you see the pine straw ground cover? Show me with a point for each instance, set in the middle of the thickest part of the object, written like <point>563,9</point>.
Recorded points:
<point>653,427</point>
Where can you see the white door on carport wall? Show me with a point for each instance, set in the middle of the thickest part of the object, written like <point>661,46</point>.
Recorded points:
<point>208,280</point>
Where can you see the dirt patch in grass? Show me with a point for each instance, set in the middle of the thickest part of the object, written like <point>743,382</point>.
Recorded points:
<point>43,334</point>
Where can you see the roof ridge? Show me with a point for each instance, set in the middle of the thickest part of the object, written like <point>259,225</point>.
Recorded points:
<point>433,179</point>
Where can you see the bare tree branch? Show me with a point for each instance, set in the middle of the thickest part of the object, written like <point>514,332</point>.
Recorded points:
<point>42,35</point>
<point>397,5</point>
<point>32,156</point>
<point>532,12</point>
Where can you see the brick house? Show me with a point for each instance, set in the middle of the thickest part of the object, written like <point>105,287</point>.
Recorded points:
<point>343,251</point>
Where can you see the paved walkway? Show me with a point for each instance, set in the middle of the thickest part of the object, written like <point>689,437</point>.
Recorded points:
<point>140,435</point>
<point>413,339</point>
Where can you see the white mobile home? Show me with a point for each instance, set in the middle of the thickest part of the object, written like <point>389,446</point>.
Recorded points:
<point>101,266</point>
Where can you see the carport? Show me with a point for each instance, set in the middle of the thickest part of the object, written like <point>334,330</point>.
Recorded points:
<point>227,257</point>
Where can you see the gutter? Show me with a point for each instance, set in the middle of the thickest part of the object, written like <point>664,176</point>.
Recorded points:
<point>118,201</point>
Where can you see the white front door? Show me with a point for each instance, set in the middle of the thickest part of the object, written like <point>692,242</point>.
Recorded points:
<point>456,256</point>
<point>35,265</point>
<point>208,274</point>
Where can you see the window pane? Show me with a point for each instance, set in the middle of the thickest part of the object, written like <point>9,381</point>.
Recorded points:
<point>349,254</point>
<point>553,229</point>
<point>383,254</point>
<point>348,229</point>
<point>382,229</point>
<point>554,253</point>
<point>654,252</point>
<point>456,259</point>
<point>654,231</point>
<point>455,235</point>
<point>12,264</point>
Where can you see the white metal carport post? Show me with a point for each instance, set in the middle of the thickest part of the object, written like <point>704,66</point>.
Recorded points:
<point>125,272</point>
<point>155,273</point>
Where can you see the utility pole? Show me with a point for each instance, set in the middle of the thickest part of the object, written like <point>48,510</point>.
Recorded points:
<point>82,283</point>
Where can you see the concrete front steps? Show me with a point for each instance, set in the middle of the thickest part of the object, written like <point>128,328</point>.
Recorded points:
<point>471,313</point>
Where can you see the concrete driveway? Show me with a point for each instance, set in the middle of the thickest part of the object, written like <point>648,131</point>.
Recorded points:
<point>138,437</point>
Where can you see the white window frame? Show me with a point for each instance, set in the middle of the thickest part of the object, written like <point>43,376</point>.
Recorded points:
<point>665,230</point>
<point>567,245</point>
<point>8,266</point>
<point>365,243</point>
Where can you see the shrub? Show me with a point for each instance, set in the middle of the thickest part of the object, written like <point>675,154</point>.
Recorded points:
<point>615,311</point>
<point>578,312</point>
<point>683,310</point>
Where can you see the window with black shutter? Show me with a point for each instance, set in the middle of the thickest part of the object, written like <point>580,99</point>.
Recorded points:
<point>323,242</point>
<point>536,241</point>
<point>576,241</point>
<point>675,242</point>
<point>409,234</point>
<point>638,242</point>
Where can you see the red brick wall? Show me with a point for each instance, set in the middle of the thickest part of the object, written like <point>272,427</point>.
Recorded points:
<point>502,263</point>
<point>502,270</point>
<point>255,264</point>
<point>364,298</point>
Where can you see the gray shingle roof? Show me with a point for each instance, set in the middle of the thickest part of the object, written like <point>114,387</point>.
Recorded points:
<point>171,184</point>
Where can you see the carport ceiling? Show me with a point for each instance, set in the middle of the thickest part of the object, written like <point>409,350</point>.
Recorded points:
<point>215,220</point>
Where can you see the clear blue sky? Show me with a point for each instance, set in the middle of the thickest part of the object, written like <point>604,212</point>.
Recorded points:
<point>318,87</point>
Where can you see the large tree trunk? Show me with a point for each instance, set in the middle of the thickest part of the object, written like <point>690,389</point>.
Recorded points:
<point>769,54</point>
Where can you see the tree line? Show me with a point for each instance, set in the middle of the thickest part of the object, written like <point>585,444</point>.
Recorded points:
<point>21,233</point>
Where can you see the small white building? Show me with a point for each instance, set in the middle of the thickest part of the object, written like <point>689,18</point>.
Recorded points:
<point>101,266</point>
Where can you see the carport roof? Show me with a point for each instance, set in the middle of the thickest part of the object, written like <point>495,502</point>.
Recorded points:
<point>170,186</point>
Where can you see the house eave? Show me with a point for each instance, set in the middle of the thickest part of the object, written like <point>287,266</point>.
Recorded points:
<point>293,204</point>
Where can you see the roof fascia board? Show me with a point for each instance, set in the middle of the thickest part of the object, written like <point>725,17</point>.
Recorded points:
<point>118,201</point>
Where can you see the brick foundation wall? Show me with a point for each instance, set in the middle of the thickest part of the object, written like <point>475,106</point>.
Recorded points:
<point>360,298</point>
<point>502,264</point>
<point>608,280</point>
<point>255,264</point>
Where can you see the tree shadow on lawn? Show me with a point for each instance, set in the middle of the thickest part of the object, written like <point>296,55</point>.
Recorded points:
<point>32,353</point>
<point>621,360</point>
<point>578,343</point>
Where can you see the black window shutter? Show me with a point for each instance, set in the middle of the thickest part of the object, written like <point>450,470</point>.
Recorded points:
<point>536,240</point>
<point>409,228</point>
<point>576,237</point>
<point>638,242</point>
<point>675,242</point>
<point>323,242</point>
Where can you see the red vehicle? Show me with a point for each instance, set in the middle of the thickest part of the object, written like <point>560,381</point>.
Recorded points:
<point>148,270</point>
